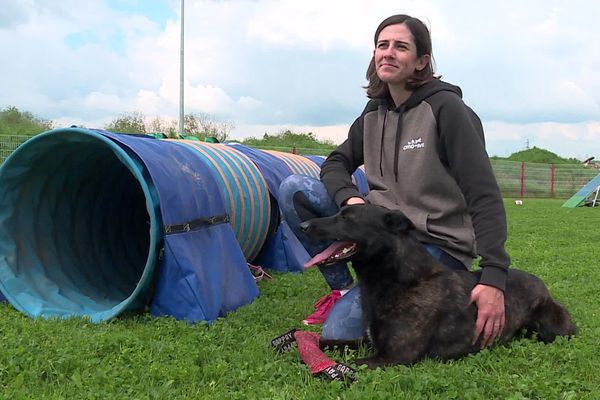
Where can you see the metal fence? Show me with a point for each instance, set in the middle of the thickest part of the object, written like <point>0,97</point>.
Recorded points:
<point>515,178</point>
<point>8,144</point>
<point>523,179</point>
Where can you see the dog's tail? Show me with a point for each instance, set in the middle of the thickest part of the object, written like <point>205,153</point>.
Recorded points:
<point>550,320</point>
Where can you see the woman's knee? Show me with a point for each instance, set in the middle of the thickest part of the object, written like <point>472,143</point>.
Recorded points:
<point>290,186</point>
<point>305,196</point>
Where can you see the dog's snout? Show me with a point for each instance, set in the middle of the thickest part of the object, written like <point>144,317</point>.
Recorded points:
<point>304,226</point>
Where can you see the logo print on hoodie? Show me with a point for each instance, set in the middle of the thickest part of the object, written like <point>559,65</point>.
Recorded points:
<point>414,144</point>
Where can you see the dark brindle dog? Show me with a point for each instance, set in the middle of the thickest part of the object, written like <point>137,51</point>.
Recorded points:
<point>414,307</point>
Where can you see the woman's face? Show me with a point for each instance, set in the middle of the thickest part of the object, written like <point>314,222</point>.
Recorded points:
<point>396,55</point>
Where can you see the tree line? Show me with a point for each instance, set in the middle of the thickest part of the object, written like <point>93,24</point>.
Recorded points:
<point>14,122</point>
<point>198,125</point>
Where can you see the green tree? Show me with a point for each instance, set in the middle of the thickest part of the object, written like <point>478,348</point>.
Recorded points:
<point>209,125</point>
<point>198,125</point>
<point>21,123</point>
<point>167,127</point>
<point>286,140</point>
<point>128,123</point>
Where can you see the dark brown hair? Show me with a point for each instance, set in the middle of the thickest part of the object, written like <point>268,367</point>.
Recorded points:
<point>378,89</point>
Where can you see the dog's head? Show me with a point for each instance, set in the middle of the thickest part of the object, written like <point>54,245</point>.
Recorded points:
<point>364,228</point>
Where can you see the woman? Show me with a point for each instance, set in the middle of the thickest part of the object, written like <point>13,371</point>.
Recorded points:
<point>424,153</point>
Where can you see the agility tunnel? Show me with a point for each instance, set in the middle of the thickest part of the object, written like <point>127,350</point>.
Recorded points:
<point>245,193</point>
<point>94,224</point>
<point>86,216</point>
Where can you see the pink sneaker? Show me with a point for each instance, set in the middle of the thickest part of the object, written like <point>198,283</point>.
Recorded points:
<point>322,308</point>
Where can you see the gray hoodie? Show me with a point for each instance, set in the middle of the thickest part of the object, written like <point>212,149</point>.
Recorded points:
<point>427,158</point>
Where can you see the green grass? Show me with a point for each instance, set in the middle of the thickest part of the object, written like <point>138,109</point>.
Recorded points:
<point>141,357</point>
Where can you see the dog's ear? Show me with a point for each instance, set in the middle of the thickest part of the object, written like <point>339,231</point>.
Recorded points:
<point>397,221</point>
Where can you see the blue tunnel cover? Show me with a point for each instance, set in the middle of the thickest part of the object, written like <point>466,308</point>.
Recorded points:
<point>282,251</point>
<point>82,230</point>
<point>203,273</point>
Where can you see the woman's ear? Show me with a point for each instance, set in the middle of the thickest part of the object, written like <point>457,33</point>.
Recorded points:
<point>423,61</point>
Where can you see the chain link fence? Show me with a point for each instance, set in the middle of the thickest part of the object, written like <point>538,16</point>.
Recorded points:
<point>516,179</point>
<point>8,144</point>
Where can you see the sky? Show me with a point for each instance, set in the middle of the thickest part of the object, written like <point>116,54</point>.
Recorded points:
<point>530,69</point>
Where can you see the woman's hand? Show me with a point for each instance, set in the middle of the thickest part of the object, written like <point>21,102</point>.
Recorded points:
<point>490,313</point>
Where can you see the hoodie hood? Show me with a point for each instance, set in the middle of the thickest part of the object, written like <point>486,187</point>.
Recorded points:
<point>419,95</point>
<point>426,91</point>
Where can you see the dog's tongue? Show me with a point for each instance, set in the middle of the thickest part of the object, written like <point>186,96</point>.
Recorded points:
<point>333,248</point>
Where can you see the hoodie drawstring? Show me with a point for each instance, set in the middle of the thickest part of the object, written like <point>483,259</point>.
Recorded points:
<point>381,145</point>
<point>397,144</point>
<point>400,110</point>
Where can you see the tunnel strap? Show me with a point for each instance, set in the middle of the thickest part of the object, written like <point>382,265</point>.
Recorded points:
<point>196,224</point>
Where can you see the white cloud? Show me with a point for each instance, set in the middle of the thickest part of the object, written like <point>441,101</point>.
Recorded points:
<point>528,69</point>
<point>315,24</point>
<point>209,99</point>
<point>567,140</point>
<point>13,14</point>
<point>105,102</point>
<point>592,132</point>
<point>249,103</point>
<point>149,102</point>
<point>501,131</point>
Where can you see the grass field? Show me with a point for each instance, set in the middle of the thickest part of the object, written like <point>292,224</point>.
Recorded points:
<point>141,357</point>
